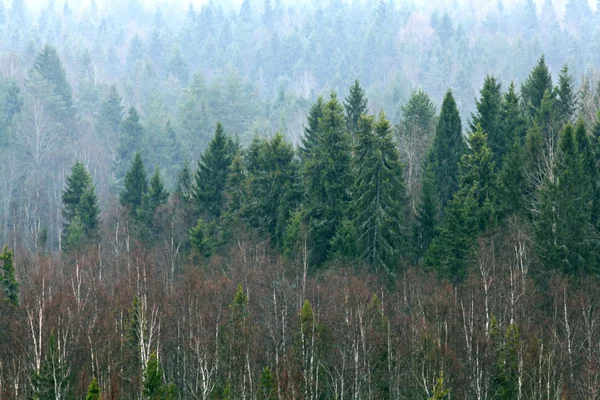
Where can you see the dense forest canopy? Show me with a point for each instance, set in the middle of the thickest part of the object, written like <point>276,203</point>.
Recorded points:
<point>293,200</point>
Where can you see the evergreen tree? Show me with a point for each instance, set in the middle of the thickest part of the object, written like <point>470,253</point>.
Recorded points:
<point>131,137</point>
<point>563,218</point>
<point>513,182</point>
<point>80,201</point>
<point>505,375</point>
<point>327,179</point>
<point>447,150</point>
<point>237,190</point>
<point>470,212</point>
<point>9,281</point>
<point>136,186</point>
<point>355,105</point>
<point>110,116</point>
<point>212,173</point>
<point>48,65</point>
<point>426,217</point>
<point>309,140</point>
<point>512,121</point>
<point>184,186</point>
<point>93,391</point>
<point>174,152</point>
<point>488,116</point>
<point>266,386</point>
<point>156,196</point>
<point>534,87</point>
<point>51,382</point>
<point>380,197</point>
<point>566,102</point>
<point>439,391</point>
<point>153,376</point>
<point>204,238</point>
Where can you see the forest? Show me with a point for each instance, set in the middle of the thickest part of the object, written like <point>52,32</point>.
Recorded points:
<point>286,200</point>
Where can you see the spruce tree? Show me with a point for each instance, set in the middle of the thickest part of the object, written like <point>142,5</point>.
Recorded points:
<point>212,173</point>
<point>9,281</point>
<point>564,208</point>
<point>136,186</point>
<point>327,179</point>
<point>184,186</point>
<point>426,217</point>
<point>512,179</point>
<point>48,65</point>
<point>309,140</point>
<point>512,121</point>
<point>110,117</point>
<point>79,201</point>
<point>488,116</point>
<point>566,102</point>
<point>355,105</point>
<point>131,137</point>
<point>266,386</point>
<point>237,190</point>
<point>470,212</point>
<point>153,383</point>
<point>446,151</point>
<point>52,380</point>
<point>93,391</point>
<point>534,87</point>
<point>380,196</point>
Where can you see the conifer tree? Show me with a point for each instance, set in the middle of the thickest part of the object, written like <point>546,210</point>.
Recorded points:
<point>566,101</point>
<point>131,136</point>
<point>470,212</point>
<point>534,87</point>
<point>110,117</point>
<point>447,150</point>
<point>184,186</point>
<point>153,376</point>
<point>266,386</point>
<point>512,121</point>
<point>174,152</point>
<point>380,196</point>
<point>156,196</point>
<point>48,65</point>
<point>355,105</point>
<point>52,380</point>
<point>9,281</point>
<point>563,217</point>
<point>237,190</point>
<point>136,185</point>
<point>93,391</point>
<point>212,173</point>
<point>309,140</point>
<point>488,116</point>
<point>327,179</point>
<point>80,201</point>
<point>426,217</point>
<point>513,182</point>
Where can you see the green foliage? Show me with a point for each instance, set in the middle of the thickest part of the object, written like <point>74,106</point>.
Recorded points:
<point>211,176</point>
<point>513,183</point>
<point>566,101</point>
<point>110,117</point>
<point>534,88</point>
<point>266,386</point>
<point>204,237</point>
<point>153,378</point>
<point>426,217</point>
<point>511,117</point>
<point>93,391</point>
<point>131,137</point>
<point>505,376</point>
<point>11,103</point>
<point>52,381</point>
<point>439,391</point>
<point>327,179</point>
<point>184,186</point>
<point>447,150</point>
<point>9,281</point>
<point>355,105</point>
<point>136,186</point>
<point>237,186</point>
<point>48,65</point>
<point>80,208</point>
<point>311,130</point>
<point>380,198</point>
<point>488,117</point>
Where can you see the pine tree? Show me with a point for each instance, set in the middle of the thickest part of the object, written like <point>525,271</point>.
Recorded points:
<point>447,150</point>
<point>212,173</point>
<point>533,89</point>
<point>9,281</point>
<point>355,105</point>
<point>563,217</point>
<point>488,116</point>
<point>327,179</point>
<point>48,65</point>
<point>93,391</point>
<point>136,186</point>
<point>153,379</point>
<point>380,195</point>
<point>131,137</point>
<point>470,212</point>
<point>266,386</point>
<point>566,102</point>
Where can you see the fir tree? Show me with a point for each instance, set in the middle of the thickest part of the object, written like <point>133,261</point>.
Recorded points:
<point>93,391</point>
<point>136,185</point>
<point>131,136</point>
<point>309,140</point>
<point>266,386</point>
<point>355,105</point>
<point>533,89</point>
<point>426,217</point>
<point>48,65</point>
<point>79,201</point>
<point>174,151</point>
<point>212,173</point>
<point>52,380</point>
<point>488,116</point>
<point>327,179</point>
<point>110,117</point>
<point>512,121</point>
<point>9,281</point>
<point>379,194</point>
<point>184,186</point>
<point>566,102</point>
<point>237,190</point>
<point>513,183</point>
<point>153,376</point>
<point>447,150</point>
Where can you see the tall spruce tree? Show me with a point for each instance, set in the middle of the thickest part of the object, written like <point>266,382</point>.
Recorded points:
<point>327,179</point>
<point>355,105</point>
<point>51,382</point>
<point>379,196</point>
<point>80,201</point>
<point>425,218</point>
<point>512,180</point>
<point>534,87</point>
<point>512,121</point>
<point>211,176</point>
<point>93,391</point>
<point>563,232</point>
<point>447,150</point>
<point>136,186</point>
<point>488,116</point>
<point>470,212</point>
<point>131,137</point>
<point>48,65</point>
<point>566,102</point>
<point>309,140</point>
<point>110,116</point>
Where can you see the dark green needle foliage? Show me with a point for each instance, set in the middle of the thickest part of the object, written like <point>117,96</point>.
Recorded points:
<point>131,136</point>
<point>10,285</point>
<point>93,391</point>
<point>136,186</point>
<point>488,116</point>
<point>566,101</point>
<point>534,88</point>
<point>355,105</point>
